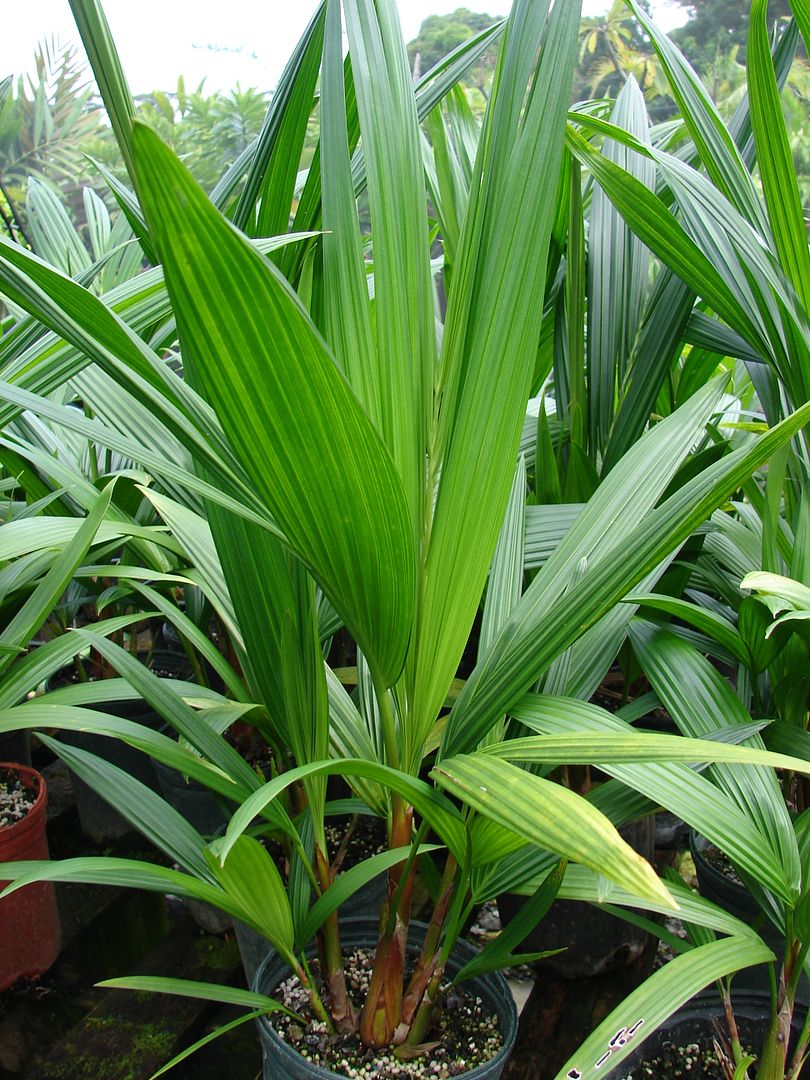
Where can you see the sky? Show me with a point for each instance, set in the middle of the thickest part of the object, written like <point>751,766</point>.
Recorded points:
<point>161,39</point>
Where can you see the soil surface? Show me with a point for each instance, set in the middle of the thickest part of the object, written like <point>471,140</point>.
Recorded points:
<point>463,1037</point>
<point>720,861</point>
<point>16,800</point>
<point>354,839</point>
<point>697,1061</point>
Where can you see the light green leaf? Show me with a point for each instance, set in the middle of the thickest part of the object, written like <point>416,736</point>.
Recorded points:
<point>607,748</point>
<point>774,156</point>
<point>498,954</point>
<point>120,873</point>
<point>540,628</point>
<point>429,803</point>
<point>617,272</point>
<point>101,52</point>
<point>582,884</point>
<point>346,885</point>
<point>701,702</point>
<point>38,665</point>
<point>346,300</point>
<point>718,151</point>
<point>147,811</point>
<point>290,416</point>
<point>708,622</point>
<point>550,816</point>
<point>273,164</point>
<point>349,737</point>
<point>683,790</point>
<point>792,593</point>
<point>22,627</point>
<point>205,991</point>
<point>38,714</point>
<point>405,354</point>
<point>658,997</point>
<point>491,334</point>
<point>606,523</point>
<point>248,874</point>
<point>506,575</point>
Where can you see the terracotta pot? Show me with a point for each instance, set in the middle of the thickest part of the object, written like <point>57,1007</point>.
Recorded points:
<point>29,921</point>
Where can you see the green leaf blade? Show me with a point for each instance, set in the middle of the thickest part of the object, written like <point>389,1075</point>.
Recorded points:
<point>774,156</point>
<point>647,1007</point>
<point>549,815</point>
<point>291,417</point>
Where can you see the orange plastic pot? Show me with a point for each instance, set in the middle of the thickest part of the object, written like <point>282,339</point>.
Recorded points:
<point>30,934</point>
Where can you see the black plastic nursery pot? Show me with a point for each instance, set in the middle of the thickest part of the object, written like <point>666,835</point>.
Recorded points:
<point>695,1024</point>
<point>200,808</point>
<point>282,1060</point>
<point>100,821</point>
<point>366,902</point>
<point>594,941</point>
<point>718,886</point>
<point>735,898</point>
<point>193,800</point>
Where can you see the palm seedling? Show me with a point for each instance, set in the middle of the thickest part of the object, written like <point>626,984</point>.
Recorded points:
<point>336,437</point>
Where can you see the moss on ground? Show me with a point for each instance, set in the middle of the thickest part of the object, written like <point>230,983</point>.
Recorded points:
<point>215,952</point>
<point>142,1039</point>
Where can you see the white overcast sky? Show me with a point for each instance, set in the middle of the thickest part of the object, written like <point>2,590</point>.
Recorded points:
<point>161,39</point>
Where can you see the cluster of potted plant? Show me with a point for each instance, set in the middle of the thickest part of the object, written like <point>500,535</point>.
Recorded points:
<point>336,453</point>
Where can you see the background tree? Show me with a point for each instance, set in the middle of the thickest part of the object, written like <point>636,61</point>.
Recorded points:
<point>611,47</point>
<point>725,80</point>
<point>208,131</point>
<point>438,34</point>
<point>50,125</point>
<point>715,27</point>
<point>44,128</point>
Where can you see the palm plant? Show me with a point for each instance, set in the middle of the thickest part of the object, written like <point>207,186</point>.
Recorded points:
<point>337,438</point>
<point>742,812</point>
<point>101,254</point>
<point>42,129</point>
<point>741,270</point>
<point>701,702</point>
<point>744,253</point>
<point>208,131</point>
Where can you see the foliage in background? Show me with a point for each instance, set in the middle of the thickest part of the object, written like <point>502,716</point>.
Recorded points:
<point>440,34</point>
<point>207,131</point>
<point>47,125</point>
<point>52,130</point>
<point>44,128</point>
<point>716,27</point>
<point>611,47</point>
<point>724,78</point>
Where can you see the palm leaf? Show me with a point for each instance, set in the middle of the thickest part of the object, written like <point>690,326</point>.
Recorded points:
<point>776,168</point>
<point>540,627</point>
<point>490,339</point>
<point>663,992</point>
<point>292,419</point>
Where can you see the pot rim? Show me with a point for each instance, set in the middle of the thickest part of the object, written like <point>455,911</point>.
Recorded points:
<point>35,781</point>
